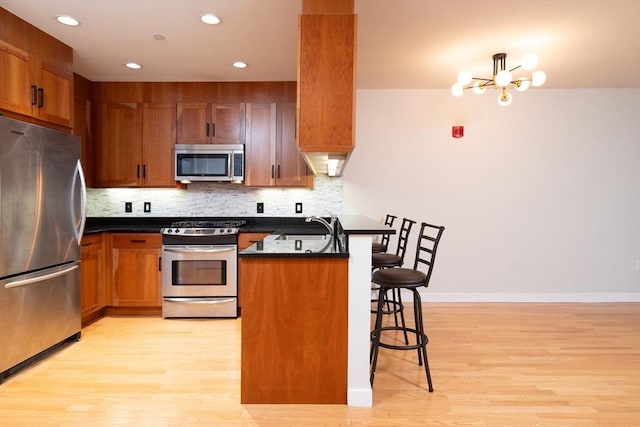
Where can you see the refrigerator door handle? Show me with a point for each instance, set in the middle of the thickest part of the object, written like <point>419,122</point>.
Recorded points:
<point>83,203</point>
<point>31,280</point>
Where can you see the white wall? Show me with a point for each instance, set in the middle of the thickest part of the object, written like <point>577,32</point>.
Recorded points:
<point>540,200</point>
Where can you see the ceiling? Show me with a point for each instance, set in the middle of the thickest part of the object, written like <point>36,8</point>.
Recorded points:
<point>417,44</point>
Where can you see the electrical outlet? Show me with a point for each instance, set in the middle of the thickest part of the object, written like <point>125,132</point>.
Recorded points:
<point>147,207</point>
<point>128,207</point>
<point>298,207</point>
<point>260,207</point>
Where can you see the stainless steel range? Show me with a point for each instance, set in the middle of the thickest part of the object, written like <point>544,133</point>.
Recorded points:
<point>200,269</point>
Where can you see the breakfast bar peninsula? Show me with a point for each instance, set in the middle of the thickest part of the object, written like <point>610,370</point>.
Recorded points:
<point>305,302</point>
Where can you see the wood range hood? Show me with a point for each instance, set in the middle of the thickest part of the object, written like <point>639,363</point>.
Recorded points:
<point>326,84</point>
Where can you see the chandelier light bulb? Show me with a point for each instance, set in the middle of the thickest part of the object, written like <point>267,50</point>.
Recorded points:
<point>505,98</point>
<point>464,77</point>
<point>457,89</point>
<point>503,78</point>
<point>479,88</point>
<point>529,61</point>
<point>522,84</point>
<point>538,78</point>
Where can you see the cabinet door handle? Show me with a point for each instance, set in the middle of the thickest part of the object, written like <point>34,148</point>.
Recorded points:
<point>207,129</point>
<point>137,171</point>
<point>34,94</point>
<point>213,130</point>
<point>138,240</point>
<point>40,97</point>
<point>278,176</point>
<point>144,171</point>
<point>272,172</point>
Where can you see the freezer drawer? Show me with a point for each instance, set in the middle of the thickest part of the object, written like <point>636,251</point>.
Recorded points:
<point>37,311</point>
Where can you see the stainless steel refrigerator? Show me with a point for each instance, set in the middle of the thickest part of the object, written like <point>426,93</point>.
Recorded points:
<point>42,217</point>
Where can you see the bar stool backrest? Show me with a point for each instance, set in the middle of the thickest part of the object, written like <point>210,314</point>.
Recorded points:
<point>403,238</point>
<point>388,221</point>
<point>428,241</point>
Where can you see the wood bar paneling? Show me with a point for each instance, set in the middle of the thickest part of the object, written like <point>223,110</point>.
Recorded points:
<point>326,83</point>
<point>294,330</point>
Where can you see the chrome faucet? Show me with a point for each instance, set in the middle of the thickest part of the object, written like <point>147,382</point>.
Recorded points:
<point>331,227</point>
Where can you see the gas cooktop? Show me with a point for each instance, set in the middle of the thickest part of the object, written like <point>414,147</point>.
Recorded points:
<point>203,227</point>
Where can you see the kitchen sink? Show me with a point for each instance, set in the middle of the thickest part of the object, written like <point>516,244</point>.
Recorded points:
<point>303,237</point>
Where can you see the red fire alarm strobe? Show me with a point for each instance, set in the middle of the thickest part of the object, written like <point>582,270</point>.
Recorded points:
<point>457,131</point>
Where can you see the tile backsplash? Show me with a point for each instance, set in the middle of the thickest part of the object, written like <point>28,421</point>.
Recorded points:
<point>218,199</point>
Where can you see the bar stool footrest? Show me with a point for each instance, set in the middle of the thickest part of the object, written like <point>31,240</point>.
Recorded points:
<point>423,339</point>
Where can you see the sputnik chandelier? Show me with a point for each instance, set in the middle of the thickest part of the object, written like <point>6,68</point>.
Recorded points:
<point>502,78</point>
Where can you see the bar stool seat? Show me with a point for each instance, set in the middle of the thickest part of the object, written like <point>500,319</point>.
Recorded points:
<point>405,277</point>
<point>378,247</point>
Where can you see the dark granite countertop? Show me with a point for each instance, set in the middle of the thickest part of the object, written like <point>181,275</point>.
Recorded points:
<point>154,224</point>
<point>270,246</point>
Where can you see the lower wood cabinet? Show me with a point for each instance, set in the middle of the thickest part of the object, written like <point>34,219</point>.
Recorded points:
<point>294,330</point>
<point>92,267</point>
<point>135,269</point>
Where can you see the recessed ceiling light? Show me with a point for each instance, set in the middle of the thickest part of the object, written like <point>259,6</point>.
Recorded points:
<point>210,18</point>
<point>68,20</point>
<point>133,65</point>
<point>159,37</point>
<point>239,64</point>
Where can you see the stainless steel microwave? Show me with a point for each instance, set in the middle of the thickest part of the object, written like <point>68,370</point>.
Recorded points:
<point>209,162</point>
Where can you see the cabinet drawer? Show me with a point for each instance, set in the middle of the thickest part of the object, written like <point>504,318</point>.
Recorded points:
<point>91,242</point>
<point>137,240</point>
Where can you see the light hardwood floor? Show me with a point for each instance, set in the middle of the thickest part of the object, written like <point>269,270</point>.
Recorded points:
<point>492,365</point>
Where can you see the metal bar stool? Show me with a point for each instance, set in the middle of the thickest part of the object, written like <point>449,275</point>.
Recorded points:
<point>410,279</point>
<point>383,260</point>
<point>381,246</point>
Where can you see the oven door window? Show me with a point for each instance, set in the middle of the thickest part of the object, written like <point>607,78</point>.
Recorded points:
<point>212,165</point>
<point>199,272</point>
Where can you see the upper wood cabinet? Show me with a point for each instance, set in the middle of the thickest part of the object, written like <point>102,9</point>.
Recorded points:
<point>206,123</point>
<point>291,170</point>
<point>118,162</point>
<point>326,82</point>
<point>271,156</point>
<point>135,145</point>
<point>260,148</point>
<point>158,144</point>
<point>83,126</point>
<point>37,72</point>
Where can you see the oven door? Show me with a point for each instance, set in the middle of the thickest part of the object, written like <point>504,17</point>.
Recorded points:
<point>199,271</point>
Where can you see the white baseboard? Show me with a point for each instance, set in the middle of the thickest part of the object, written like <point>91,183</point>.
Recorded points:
<point>428,296</point>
